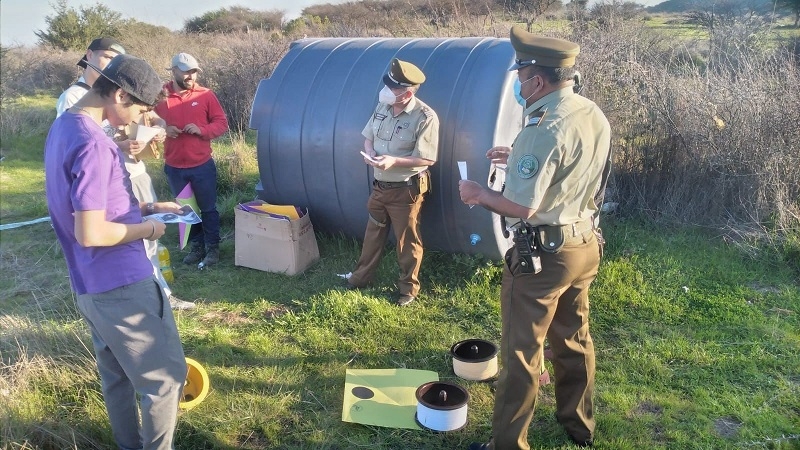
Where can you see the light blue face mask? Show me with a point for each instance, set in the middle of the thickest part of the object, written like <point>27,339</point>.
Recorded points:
<point>518,92</point>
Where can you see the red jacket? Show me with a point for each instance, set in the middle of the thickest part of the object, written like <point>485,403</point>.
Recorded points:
<point>200,107</point>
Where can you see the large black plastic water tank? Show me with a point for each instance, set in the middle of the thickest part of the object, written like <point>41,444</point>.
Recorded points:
<point>310,112</point>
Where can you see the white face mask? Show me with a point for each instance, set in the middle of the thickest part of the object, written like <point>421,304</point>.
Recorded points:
<point>387,97</point>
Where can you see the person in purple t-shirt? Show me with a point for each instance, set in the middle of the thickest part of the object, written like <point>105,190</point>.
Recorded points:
<point>98,222</point>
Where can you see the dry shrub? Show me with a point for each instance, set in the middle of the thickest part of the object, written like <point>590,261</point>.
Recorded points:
<point>693,145</point>
<point>33,70</point>
<point>232,64</point>
<point>234,73</point>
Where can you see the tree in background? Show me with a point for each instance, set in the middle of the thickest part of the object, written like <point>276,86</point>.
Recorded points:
<point>529,10</point>
<point>608,14</point>
<point>68,29</point>
<point>235,18</point>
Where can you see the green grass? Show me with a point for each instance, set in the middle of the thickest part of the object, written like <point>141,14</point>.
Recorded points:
<point>698,346</point>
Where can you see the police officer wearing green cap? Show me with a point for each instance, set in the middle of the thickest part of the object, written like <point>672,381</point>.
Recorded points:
<point>401,143</point>
<point>555,168</point>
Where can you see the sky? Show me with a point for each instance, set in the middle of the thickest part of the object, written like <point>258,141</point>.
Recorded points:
<point>20,18</point>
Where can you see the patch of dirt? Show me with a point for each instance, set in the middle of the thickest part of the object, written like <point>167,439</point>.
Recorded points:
<point>229,318</point>
<point>727,427</point>
<point>275,312</point>
<point>254,440</point>
<point>647,407</point>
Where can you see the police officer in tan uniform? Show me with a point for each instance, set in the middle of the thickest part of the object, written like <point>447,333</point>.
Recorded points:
<point>401,141</point>
<point>553,173</point>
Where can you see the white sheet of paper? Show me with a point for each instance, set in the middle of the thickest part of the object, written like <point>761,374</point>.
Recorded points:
<point>370,158</point>
<point>462,169</point>
<point>146,134</point>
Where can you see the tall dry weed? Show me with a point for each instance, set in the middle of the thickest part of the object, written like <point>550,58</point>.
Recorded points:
<point>34,70</point>
<point>693,144</point>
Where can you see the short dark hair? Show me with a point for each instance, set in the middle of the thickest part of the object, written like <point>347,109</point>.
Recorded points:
<point>553,75</point>
<point>106,88</point>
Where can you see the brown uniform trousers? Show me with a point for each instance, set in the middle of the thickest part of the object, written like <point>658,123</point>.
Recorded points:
<point>399,208</point>
<point>554,304</point>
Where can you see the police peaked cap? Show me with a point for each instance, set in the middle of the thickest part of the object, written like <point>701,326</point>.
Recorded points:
<point>542,51</point>
<point>403,74</point>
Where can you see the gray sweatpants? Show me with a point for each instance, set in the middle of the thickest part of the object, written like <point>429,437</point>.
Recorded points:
<point>139,353</point>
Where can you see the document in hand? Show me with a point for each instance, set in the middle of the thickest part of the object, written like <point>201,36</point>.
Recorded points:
<point>187,215</point>
<point>143,133</point>
<point>369,158</point>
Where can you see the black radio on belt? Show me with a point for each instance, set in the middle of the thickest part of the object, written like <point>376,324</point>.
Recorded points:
<point>529,259</point>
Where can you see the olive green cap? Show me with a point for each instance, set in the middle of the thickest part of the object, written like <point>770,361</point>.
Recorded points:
<point>541,51</point>
<point>403,74</point>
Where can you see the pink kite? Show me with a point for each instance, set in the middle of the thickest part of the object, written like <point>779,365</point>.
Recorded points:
<point>186,197</point>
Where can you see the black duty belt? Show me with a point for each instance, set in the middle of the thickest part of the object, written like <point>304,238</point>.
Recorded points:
<point>393,184</point>
<point>397,184</point>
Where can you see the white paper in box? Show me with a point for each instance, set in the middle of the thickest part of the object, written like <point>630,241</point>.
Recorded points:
<point>274,245</point>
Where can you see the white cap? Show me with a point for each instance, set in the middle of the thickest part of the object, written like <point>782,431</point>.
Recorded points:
<point>185,62</point>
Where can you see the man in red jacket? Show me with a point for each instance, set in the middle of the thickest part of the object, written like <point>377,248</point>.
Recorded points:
<point>194,117</point>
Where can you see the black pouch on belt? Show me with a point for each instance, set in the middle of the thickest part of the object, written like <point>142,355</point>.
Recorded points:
<point>525,242</point>
<point>551,238</point>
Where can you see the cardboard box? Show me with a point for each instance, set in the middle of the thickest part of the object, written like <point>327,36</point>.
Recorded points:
<point>274,245</point>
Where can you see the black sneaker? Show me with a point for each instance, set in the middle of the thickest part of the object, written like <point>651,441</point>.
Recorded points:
<point>212,256</point>
<point>195,255</point>
<point>478,446</point>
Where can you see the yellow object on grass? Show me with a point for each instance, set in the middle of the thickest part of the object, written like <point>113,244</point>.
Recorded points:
<point>197,384</point>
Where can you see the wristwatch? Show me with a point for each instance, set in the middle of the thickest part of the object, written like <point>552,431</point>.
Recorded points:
<point>150,208</point>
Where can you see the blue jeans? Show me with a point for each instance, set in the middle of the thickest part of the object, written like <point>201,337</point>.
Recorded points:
<point>204,184</point>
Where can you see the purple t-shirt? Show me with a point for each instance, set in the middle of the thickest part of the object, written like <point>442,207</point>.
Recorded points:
<point>84,171</point>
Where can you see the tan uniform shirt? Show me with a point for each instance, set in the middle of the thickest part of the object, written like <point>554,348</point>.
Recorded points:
<point>557,160</point>
<point>413,132</point>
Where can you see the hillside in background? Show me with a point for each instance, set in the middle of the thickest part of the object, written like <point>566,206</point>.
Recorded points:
<point>682,6</point>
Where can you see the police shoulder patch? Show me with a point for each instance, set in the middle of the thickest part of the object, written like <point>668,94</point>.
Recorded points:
<point>527,166</point>
<point>427,111</point>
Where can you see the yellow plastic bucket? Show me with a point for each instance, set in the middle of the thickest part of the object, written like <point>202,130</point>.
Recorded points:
<point>196,387</point>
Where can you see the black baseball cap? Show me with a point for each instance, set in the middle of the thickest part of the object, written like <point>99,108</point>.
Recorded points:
<point>134,76</point>
<point>103,43</point>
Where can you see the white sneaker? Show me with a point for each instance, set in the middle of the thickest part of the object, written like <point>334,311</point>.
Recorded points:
<point>180,305</point>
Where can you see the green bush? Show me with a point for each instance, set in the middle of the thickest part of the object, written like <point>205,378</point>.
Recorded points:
<point>68,29</point>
